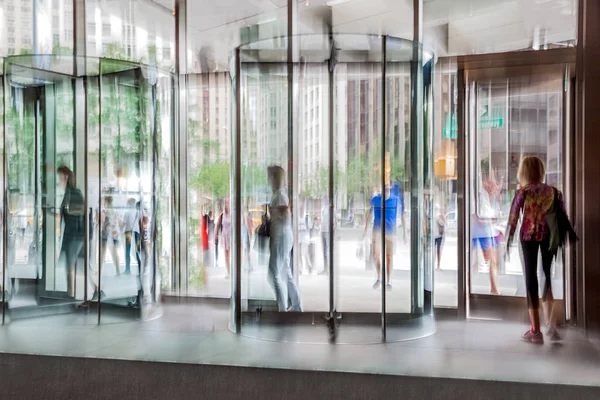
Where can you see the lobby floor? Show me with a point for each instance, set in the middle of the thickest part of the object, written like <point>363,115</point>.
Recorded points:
<point>198,334</point>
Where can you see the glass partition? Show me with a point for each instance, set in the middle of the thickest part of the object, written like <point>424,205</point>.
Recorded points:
<point>330,202</point>
<point>3,287</point>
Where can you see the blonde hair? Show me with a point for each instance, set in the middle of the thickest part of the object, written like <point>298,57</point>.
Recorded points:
<point>531,171</point>
<point>277,175</point>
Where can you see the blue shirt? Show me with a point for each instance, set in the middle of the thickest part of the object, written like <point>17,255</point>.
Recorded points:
<point>391,212</point>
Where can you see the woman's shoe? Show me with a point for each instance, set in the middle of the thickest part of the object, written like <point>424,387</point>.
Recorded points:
<point>553,335</point>
<point>533,337</point>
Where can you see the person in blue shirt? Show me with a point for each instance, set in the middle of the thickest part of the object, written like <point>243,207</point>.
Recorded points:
<point>393,203</point>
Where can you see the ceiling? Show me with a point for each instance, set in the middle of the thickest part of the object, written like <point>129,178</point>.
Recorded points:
<point>451,27</point>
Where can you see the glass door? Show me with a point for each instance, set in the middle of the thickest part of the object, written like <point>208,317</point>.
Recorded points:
<point>510,117</point>
<point>45,207</point>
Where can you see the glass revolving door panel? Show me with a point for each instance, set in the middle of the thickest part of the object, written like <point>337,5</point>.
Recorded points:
<point>310,142</point>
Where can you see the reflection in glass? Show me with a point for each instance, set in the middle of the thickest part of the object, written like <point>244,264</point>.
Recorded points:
<point>208,171</point>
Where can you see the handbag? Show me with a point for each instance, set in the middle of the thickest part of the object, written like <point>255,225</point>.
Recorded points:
<point>264,229</point>
<point>561,230</point>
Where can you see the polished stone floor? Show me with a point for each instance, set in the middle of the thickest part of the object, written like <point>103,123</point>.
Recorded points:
<point>198,333</point>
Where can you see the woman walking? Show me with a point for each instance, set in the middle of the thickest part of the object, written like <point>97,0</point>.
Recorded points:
<point>281,243</point>
<point>535,201</point>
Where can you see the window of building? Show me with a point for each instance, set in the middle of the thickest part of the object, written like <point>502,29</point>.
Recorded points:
<point>105,29</point>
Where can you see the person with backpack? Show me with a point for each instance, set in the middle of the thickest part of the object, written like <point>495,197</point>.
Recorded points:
<point>72,213</point>
<point>537,203</point>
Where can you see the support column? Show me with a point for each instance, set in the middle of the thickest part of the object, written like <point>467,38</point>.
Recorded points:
<point>292,58</point>
<point>587,219</point>
<point>80,127</point>
<point>180,268</point>
<point>416,147</point>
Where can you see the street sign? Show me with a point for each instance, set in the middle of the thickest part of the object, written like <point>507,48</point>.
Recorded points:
<point>491,123</point>
<point>450,126</point>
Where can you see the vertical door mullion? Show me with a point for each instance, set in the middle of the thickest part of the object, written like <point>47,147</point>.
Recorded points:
<point>331,69</point>
<point>382,174</point>
<point>99,289</point>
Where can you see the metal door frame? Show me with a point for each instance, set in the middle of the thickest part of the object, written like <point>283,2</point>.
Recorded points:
<point>505,65</point>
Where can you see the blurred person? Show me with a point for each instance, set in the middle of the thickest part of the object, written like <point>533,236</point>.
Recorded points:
<point>216,240</point>
<point>145,224</point>
<point>484,234</point>
<point>211,236</point>
<point>204,240</point>
<point>145,251</point>
<point>325,239</point>
<point>129,221</point>
<point>314,232</point>
<point>72,214</point>
<point>535,200</point>
<point>304,243</point>
<point>223,228</point>
<point>248,232</point>
<point>262,238</point>
<point>281,241</point>
<point>391,202</point>
<point>136,234</point>
<point>111,233</point>
<point>439,231</point>
<point>92,271</point>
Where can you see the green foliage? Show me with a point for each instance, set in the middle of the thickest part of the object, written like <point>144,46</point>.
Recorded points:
<point>358,177</point>
<point>58,50</point>
<point>318,184</point>
<point>197,277</point>
<point>212,179</point>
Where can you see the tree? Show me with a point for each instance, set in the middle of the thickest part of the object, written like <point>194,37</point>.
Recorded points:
<point>212,179</point>
<point>318,184</point>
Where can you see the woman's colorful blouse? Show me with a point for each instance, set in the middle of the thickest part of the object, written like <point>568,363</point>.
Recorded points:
<point>535,201</point>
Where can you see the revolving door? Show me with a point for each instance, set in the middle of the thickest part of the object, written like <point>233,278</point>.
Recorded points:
<point>331,190</point>
<point>80,148</point>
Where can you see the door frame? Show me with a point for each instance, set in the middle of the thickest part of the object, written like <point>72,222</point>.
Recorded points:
<point>501,65</point>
